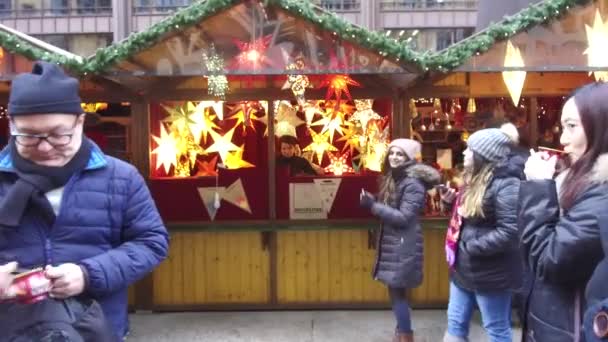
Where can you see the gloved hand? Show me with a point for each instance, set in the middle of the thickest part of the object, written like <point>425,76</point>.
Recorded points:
<point>366,200</point>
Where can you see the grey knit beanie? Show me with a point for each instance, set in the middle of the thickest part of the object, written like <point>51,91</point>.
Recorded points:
<point>493,144</point>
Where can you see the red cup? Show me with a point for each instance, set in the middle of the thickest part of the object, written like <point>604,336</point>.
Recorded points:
<point>552,152</point>
<point>29,287</point>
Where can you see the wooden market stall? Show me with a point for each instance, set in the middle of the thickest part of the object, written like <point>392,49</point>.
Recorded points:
<point>214,82</point>
<point>520,70</point>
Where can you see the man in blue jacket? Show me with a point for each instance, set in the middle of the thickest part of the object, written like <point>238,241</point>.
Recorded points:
<point>86,217</point>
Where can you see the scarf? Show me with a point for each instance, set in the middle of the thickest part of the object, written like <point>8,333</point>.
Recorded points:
<point>34,181</point>
<point>453,233</point>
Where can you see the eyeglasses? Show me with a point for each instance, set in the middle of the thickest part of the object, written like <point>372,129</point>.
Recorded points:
<point>55,140</point>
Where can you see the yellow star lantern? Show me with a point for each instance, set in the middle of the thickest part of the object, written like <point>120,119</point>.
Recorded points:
<point>597,50</point>
<point>202,123</point>
<point>180,116</point>
<point>332,122</point>
<point>319,145</point>
<point>352,138</point>
<point>222,144</point>
<point>234,160</point>
<point>286,119</point>
<point>206,169</point>
<point>311,108</point>
<point>514,80</point>
<point>364,113</point>
<point>166,151</point>
<point>218,107</point>
<point>338,165</point>
<point>337,85</point>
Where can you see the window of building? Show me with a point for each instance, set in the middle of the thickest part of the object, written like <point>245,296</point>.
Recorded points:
<point>80,44</point>
<point>340,5</point>
<point>150,6</point>
<point>32,8</point>
<point>433,39</point>
<point>396,5</point>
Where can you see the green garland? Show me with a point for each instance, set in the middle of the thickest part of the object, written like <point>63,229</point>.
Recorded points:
<point>198,11</point>
<point>443,61</point>
<point>19,46</point>
<point>536,14</point>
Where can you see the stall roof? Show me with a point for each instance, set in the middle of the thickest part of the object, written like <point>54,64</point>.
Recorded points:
<point>551,35</point>
<point>280,30</point>
<point>34,49</point>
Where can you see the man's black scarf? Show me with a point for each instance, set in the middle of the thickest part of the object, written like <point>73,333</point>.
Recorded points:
<point>34,181</point>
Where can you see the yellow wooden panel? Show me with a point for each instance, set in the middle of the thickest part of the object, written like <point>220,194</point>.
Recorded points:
<point>326,267</point>
<point>435,286</point>
<point>549,83</point>
<point>131,295</point>
<point>213,268</point>
<point>455,79</point>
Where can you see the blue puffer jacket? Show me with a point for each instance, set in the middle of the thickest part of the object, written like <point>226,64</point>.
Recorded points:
<point>107,223</point>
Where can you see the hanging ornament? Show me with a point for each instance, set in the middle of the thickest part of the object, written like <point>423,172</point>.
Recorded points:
<point>597,40</point>
<point>310,109</point>
<point>338,165</point>
<point>217,83</point>
<point>244,112</point>
<point>514,80</point>
<point>465,136</point>
<point>471,106</point>
<point>353,138</point>
<point>252,55</point>
<point>437,104</point>
<point>297,83</point>
<point>203,121</point>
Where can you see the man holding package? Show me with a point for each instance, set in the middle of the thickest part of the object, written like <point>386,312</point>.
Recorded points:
<point>88,219</point>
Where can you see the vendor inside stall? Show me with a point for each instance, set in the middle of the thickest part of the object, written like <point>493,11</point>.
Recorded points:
<point>290,158</point>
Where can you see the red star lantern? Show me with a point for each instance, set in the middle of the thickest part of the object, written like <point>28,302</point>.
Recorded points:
<point>252,55</point>
<point>338,84</point>
<point>338,165</point>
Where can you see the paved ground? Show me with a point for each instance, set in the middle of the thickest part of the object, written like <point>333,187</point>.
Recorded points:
<point>280,326</point>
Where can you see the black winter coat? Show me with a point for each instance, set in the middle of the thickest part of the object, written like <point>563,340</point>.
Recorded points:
<point>488,256</point>
<point>562,251</point>
<point>399,259</point>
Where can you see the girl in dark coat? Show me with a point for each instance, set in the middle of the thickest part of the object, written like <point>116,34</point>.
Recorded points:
<point>560,219</point>
<point>401,199</point>
<point>482,241</point>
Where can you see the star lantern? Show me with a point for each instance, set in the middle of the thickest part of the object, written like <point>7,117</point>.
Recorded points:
<point>179,117</point>
<point>234,160</point>
<point>320,144</point>
<point>333,120</point>
<point>207,169</point>
<point>252,55</point>
<point>166,151</point>
<point>286,119</point>
<point>203,120</point>
<point>338,164</point>
<point>297,83</point>
<point>514,80</point>
<point>310,109</point>
<point>364,113</point>
<point>243,113</point>
<point>338,85</point>
<point>353,138</point>
<point>222,144</point>
<point>597,40</point>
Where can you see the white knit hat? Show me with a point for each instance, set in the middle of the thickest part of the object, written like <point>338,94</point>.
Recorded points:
<point>411,147</point>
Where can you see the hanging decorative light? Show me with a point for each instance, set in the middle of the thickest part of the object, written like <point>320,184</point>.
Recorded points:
<point>471,106</point>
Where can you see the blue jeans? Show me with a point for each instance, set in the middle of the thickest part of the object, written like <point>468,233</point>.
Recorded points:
<point>401,309</point>
<point>495,308</point>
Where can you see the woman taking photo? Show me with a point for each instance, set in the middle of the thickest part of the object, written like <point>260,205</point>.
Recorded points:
<point>482,241</point>
<point>402,196</point>
<point>560,228</point>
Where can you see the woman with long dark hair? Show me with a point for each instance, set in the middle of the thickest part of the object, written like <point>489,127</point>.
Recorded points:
<point>559,219</point>
<point>402,195</point>
<point>482,241</point>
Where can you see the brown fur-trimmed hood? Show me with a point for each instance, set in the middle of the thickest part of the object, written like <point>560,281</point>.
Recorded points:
<point>599,173</point>
<point>427,174</point>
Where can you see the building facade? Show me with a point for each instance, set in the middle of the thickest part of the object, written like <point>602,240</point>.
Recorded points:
<point>82,26</point>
